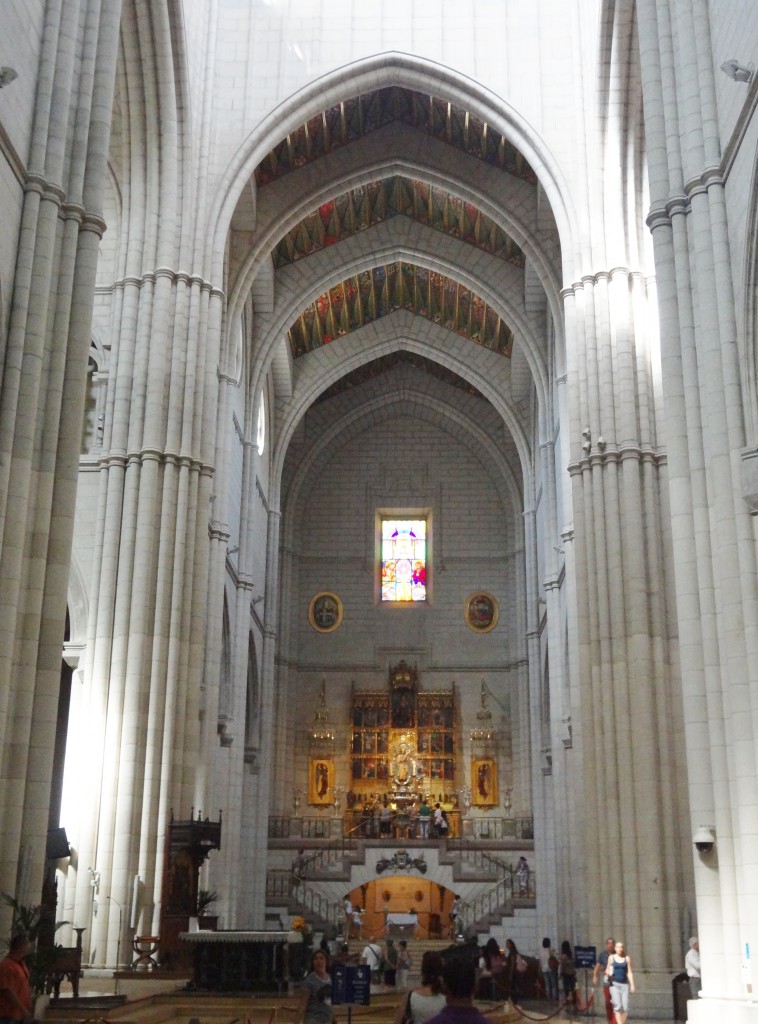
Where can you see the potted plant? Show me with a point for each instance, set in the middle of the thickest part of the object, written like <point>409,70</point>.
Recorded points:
<point>205,897</point>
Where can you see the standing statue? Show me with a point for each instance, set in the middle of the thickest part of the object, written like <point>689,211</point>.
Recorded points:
<point>405,768</point>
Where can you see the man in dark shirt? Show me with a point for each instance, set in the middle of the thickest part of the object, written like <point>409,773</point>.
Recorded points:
<point>599,969</point>
<point>458,982</point>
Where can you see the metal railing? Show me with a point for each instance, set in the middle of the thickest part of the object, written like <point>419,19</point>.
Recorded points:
<point>369,826</point>
<point>283,886</point>
<point>521,829</point>
<point>356,825</point>
<point>316,906</point>
<point>483,861</point>
<point>495,901</point>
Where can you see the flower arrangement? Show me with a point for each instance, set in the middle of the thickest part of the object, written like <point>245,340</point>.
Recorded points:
<point>298,925</point>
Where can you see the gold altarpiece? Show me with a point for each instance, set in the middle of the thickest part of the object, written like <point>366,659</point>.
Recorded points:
<point>404,742</point>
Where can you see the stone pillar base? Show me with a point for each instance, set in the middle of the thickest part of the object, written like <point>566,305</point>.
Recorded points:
<point>725,1011</point>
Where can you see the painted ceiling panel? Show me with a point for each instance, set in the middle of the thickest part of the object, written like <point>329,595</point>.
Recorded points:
<point>374,293</point>
<point>354,118</point>
<point>364,207</point>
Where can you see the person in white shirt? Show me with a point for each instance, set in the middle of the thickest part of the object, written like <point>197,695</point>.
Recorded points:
<point>692,967</point>
<point>348,915</point>
<point>372,955</point>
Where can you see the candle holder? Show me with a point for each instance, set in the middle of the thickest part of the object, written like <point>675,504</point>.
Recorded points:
<point>297,796</point>
<point>339,792</point>
<point>465,796</point>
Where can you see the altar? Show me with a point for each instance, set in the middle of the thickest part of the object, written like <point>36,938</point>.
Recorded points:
<point>402,925</point>
<point>240,961</point>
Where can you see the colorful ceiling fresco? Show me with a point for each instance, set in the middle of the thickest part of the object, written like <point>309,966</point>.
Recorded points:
<point>363,207</point>
<point>378,367</point>
<point>352,119</point>
<point>374,293</point>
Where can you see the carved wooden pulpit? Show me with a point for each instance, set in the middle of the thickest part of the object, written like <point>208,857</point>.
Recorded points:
<point>188,844</point>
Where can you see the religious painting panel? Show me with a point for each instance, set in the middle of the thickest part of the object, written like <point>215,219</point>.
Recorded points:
<point>321,781</point>
<point>484,782</point>
<point>481,612</point>
<point>325,612</point>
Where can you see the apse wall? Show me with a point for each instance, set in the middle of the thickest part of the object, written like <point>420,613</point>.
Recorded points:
<point>404,462</point>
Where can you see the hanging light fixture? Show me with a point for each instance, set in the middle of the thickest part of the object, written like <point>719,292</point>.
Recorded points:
<point>485,731</point>
<point>321,732</point>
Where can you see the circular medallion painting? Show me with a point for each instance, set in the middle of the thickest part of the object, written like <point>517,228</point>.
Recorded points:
<point>481,612</point>
<point>325,612</point>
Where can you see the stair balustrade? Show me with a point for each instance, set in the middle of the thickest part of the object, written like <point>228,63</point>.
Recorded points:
<point>353,827</point>
<point>304,898</point>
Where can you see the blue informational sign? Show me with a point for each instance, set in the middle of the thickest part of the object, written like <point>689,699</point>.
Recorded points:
<point>585,956</point>
<point>351,984</point>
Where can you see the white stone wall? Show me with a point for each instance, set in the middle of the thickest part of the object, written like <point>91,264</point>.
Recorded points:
<point>525,54</point>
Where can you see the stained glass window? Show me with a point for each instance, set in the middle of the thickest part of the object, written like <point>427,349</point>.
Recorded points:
<point>403,560</point>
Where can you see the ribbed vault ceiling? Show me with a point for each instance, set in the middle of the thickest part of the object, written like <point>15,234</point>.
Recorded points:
<point>352,119</point>
<point>368,296</point>
<point>362,208</point>
<point>378,367</point>
<point>365,297</point>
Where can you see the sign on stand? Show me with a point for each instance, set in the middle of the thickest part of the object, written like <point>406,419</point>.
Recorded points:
<point>351,985</point>
<point>585,956</point>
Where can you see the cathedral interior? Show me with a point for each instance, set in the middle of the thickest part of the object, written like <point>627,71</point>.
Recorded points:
<point>378,432</point>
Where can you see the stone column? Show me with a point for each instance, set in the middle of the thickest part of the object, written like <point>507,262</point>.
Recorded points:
<point>625,696</point>
<point>42,405</point>
<point>713,538</point>
<point>268,681</point>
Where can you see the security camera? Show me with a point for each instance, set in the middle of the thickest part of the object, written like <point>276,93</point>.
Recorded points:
<point>704,839</point>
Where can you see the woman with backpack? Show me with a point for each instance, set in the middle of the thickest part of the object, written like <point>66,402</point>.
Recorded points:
<point>567,971</point>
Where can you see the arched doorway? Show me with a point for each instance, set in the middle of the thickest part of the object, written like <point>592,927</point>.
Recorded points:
<point>389,904</point>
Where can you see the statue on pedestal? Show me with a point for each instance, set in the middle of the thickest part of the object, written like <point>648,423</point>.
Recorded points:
<point>405,769</point>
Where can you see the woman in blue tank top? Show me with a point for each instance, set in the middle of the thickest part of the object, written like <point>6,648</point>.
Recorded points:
<point>619,970</point>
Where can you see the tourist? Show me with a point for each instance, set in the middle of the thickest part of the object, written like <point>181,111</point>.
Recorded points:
<point>15,991</point>
<point>522,876</point>
<point>567,971</point>
<point>348,915</point>
<point>619,970</point>
<point>600,966</point>
<point>424,816</point>
<point>692,967</point>
<point>455,917</point>
<point>549,967</point>
<point>440,821</point>
<point>428,999</point>
<point>404,965</point>
<point>458,981</point>
<point>491,968</point>
<point>314,1006</point>
<point>372,955</point>
<point>391,957</point>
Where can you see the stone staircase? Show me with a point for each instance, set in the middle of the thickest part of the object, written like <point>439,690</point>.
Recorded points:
<point>416,948</point>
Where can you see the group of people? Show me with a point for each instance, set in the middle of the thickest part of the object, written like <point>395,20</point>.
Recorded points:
<point>558,969</point>
<point>390,965</point>
<point>445,995</point>
<point>506,973</point>
<point>615,966</point>
<point>417,820</point>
